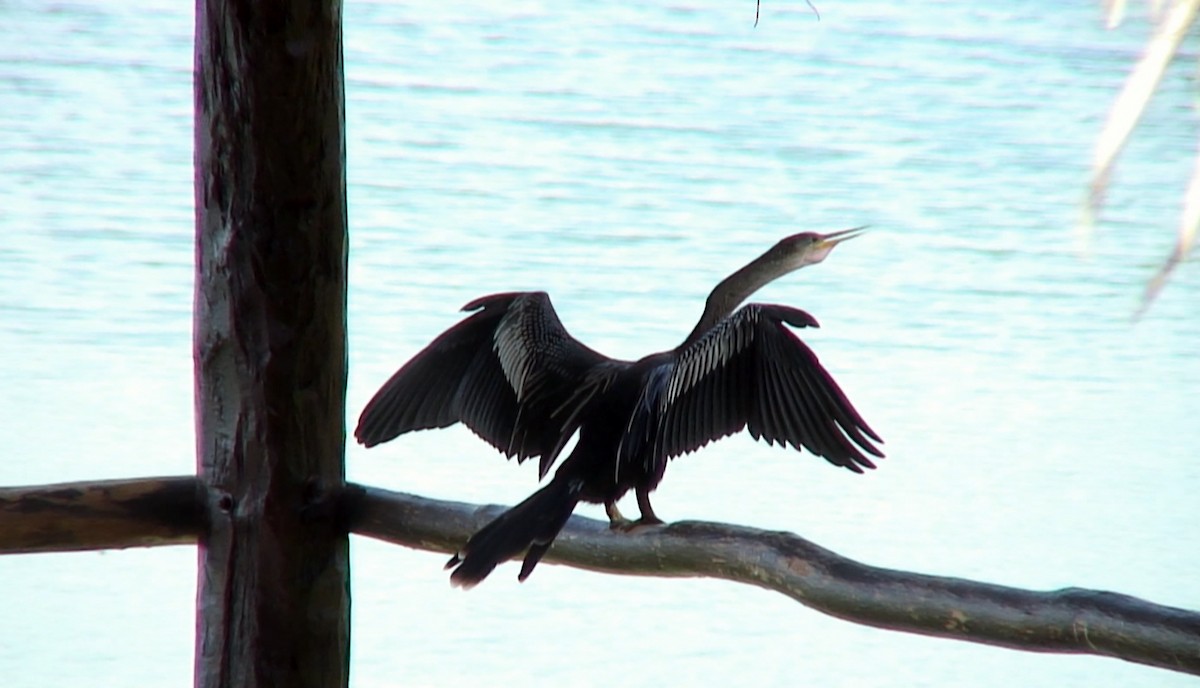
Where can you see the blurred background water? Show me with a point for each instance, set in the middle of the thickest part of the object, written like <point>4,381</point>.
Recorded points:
<point>625,157</point>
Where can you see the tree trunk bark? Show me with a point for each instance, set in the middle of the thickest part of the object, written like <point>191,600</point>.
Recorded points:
<point>273,601</point>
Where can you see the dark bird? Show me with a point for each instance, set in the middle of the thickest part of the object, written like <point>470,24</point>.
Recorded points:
<point>513,374</point>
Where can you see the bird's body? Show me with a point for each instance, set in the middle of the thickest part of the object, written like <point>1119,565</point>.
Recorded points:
<point>512,373</point>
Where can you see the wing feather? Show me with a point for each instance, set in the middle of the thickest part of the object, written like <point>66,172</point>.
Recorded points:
<point>509,371</point>
<point>752,372</point>
<point>424,393</point>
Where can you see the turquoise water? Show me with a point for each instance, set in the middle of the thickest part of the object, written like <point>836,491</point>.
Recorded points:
<point>625,158</point>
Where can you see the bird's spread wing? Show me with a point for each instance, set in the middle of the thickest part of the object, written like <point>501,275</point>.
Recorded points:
<point>510,372</point>
<point>751,371</point>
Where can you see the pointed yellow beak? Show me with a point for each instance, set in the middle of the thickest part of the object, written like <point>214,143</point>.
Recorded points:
<point>832,239</point>
<point>823,246</point>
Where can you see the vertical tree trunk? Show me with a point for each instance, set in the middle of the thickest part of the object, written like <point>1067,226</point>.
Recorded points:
<point>270,313</point>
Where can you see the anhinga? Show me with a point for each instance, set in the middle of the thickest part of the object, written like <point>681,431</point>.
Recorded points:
<point>514,375</point>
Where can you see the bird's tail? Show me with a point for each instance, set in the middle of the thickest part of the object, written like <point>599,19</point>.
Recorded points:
<point>529,527</point>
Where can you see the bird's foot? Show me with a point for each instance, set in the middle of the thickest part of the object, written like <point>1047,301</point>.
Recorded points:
<point>618,522</point>
<point>615,520</point>
<point>627,526</point>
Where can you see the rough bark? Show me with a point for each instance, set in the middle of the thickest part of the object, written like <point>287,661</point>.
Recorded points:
<point>269,341</point>
<point>110,514</point>
<point>1072,620</point>
<point>157,511</point>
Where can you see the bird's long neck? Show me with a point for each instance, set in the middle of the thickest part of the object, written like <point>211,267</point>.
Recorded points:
<point>735,289</point>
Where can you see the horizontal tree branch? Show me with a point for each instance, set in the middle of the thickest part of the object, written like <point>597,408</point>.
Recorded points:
<point>169,511</point>
<point>1071,620</point>
<point>106,514</point>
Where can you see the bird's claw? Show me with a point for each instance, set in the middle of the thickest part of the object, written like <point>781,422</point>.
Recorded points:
<point>625,525</point>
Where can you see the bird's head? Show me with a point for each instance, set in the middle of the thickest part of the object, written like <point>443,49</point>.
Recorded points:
<point>808,248</point>
<point>790,253</point>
